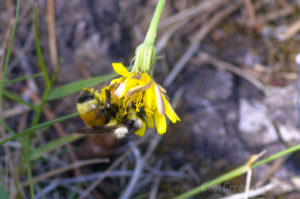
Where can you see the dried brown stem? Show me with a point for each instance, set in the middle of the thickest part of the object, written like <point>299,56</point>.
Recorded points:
<point>52,33</point>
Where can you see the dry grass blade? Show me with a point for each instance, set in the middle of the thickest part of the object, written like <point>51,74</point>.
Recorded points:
<point>290,31</point>
<point>201,34</point>
<point>164,39</point>
<point>188,13</point>
<point>227,66</point>
<point>52,33</point>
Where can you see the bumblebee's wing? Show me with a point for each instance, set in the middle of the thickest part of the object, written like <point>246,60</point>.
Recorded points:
<point>96,130</point>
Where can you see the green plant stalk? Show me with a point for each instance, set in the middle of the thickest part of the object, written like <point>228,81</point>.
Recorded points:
<point>151,34</point>
<point>53,78</point>
<point>25,153</point>
<point>11,40</point>
<point>28,138</point>
<point>39,111</point>
<point>236,172</point>
<point>22,78</point>
<point>39,51</point>
<point>16,98</point>
<point>7,127</point>
<point>145,53</point>
<point>11,131</point>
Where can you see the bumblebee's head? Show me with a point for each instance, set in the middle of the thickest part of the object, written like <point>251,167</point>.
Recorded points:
<point>87,101</point>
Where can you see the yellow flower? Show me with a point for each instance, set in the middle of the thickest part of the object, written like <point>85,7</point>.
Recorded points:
<point>142,91</point>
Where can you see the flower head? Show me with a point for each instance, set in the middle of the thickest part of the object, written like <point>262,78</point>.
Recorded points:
<point>139,90</point>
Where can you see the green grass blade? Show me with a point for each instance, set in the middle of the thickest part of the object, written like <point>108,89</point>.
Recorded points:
<point>11,131</point>
<point>277,155</point>
<point>203,187</point>
<point>39,51</point>
<point>234,173</point>
<point>7,127</point>
<point>36,127</point>
<point>73,87</point>
<point>22,78</point>
<point>7,57</point>
<point>40,151</point>
<point>16,98</point>
<point>53,78</point>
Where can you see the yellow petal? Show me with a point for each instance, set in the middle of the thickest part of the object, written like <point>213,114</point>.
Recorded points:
<point>142,130</point>
<point>116,81</point>
<point>159,100</point>
<point>120,69</point>
<point>128,84</point>
<point>150,101</point>
<point>169,111</point>
<point>137,89</point>
<point>160,122</point>
<point>150,121</point>
<point>120,91</point>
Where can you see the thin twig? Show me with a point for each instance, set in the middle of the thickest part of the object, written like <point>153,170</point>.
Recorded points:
<point>64,169</point>
<point>112,174</point>
<point>248,183</point>
<point>136,174</point>
<point>154,189</point>
<point>46,190</point>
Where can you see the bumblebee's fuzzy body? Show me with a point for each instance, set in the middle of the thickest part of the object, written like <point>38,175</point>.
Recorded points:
<point>100,115</point>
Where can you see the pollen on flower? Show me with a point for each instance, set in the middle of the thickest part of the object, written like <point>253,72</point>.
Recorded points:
<point>140,91</point>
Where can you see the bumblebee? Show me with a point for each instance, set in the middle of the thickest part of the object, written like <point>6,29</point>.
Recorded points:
<point>101,115</point>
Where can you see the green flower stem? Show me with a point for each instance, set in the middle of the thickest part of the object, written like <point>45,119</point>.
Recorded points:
<point>151,34</point>
<point>145,53</point>
<point>236,172</point>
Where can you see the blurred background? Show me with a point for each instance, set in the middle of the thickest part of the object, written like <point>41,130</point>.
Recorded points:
<point>228,67</point>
